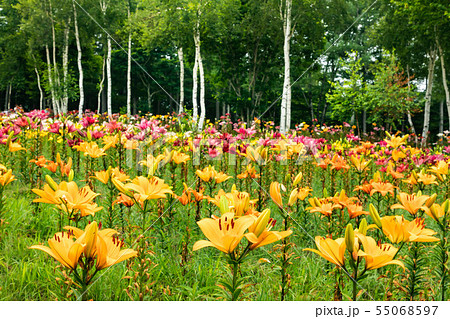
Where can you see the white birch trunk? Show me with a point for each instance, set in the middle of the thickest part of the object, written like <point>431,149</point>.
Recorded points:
<point>41,93</point>
<point>202,90</point>
<point>65,59</point>
<point>408,113</point>
<point>426,117</point>
<point>100,89</point>
<point>195,78</point>
<point>181,59</point>
<point>50,81</point>
<point>444,81</point>
<point>80,65</point>
<point>285,118</point>
<point>8,97</point>
<point>56,81</point>
<point>441,118</point>
<point>108,76</point>
<point>129,67</point>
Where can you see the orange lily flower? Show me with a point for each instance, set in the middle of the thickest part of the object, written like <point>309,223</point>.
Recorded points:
<point>6,177</point>
<point>63,248</point>
<point>330,249</point>
<point>322,206</point>
<point>260,233</point>
<point>377,256</point>
<point>148,188</point>
<point>179,157</point>
<point>275,193</point>
<point>440,170</point>
<point>398,230</point>
<point>383,188</point>
<point>224,233</point>
<point>411,203</point>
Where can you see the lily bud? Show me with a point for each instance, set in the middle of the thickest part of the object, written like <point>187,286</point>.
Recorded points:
<point>90,239</point>
<point>377,177</point>
<point>297,178</point>
<point>51,182</point>
<point>349,238</point>
<point>430,201</point>
<point>261,222</point>
<point>293,197</point>
<point>363,227</point>
<point>8,140</point>
<point>325,192</point>
<point>224,205</point>
<point>317,202</point>
<point>264,154</point>
<point>446,206</point>
<point>121,187</point>
<point>71,174</point>
<point>375,216</point>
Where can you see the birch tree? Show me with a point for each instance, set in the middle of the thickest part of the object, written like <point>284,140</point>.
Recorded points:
<point>288,29</point>
<point>79,62</point>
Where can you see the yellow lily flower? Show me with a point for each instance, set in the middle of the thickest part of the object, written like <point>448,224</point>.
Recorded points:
<point>110,141</point>
<point>119,175</point>
<point>14,147</point>
<point>440,170</point>
<point>224,233</point>
<point>90,149</point>
<point>411,203</point>
<point>148,188</point>
<point>103,176</point>
<point>395,141</point>
<point>382,187</point>
<point>101,244</point>
<point>359,163</point>
<point>437,211</point>
<point>69,198</point>
<point>426,179</point>
<point>6,177</point>
<point>398,230</point>
<point>220,177</point>
<point>377,256</point>
<point>260,233</point>
<point>303,193</point>
<point>275,194</point>
<point>179,157</point>
<point>330,249</point>
<point>206,174</point>
<point>63,248</point>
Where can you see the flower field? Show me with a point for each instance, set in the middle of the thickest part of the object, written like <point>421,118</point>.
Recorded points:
<point>146,208</point>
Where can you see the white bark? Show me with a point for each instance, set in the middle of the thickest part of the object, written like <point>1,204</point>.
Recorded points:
<point>8,97</point>
<point>408,113</point>
<point>108,76</point>
<point>41,93</point>
<point>444,80</point>
<point>181,59</point>
<point>56,81</point>
<point>426,116</point>
<point>50,81</point>
<point>65,59</point>
<point>80,65</point>
<point>285,118</point>
<point>441,117</point>
<point>100,89</point>
<point>202,91</point>
<point>195,79</point>
<point>129,68</point>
